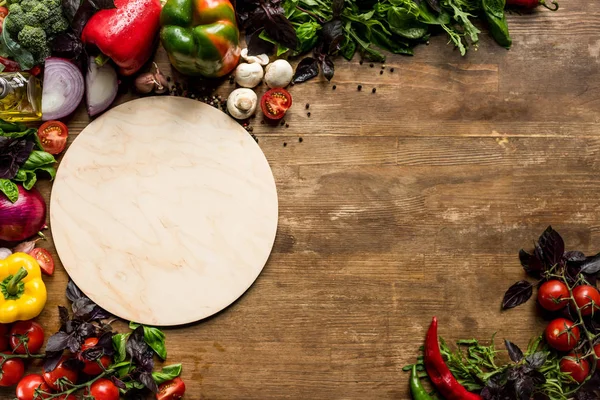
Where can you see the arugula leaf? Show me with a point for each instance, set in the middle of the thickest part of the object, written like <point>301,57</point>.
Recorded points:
<point>10,189</point>
<point>167,373</point>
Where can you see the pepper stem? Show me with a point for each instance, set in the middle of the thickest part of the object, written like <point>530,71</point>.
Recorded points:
<point>12,287</point>
<point>553,7</point>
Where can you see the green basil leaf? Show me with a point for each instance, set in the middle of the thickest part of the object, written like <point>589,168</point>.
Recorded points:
<point>119,344</point>
<point>30,180</point>
<point>38,159</point>
<point>403,23</point>
<point>494,12</point>
<point>9,127</point>
<point>10,189</point>
<point>130,385</point>
<point>427,16</point>
<point>307,34</point>
<point>21,176</point>
<point>167,373</point>
<point>155,338</point>
<point>50,170</point>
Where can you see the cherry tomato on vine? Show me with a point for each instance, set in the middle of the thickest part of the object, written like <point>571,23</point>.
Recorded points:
<point>26,389</point>
<point>26,332</point>
<point>576,366</point>
<point>59,372</point>
<point>53,136</point>
<point>104,389</point>
<point>171,390</point>
<point>44,259</point>
<point>92,367</point>
<point>67,397</point>
<point>584,295</point>
<point>597,351</point>
<point>553,295</point>
<point>562,335</point>
<point>12,371</point>
<point>4,329</point>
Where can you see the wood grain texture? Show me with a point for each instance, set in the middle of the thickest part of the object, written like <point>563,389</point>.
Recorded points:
<point>404,204</point>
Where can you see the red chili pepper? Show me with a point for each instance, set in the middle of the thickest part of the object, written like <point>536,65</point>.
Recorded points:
<point>532,4</point>
<point>10,65</point>
<point>438,371</point>
<point>126,34</point>
<point>36,70</point>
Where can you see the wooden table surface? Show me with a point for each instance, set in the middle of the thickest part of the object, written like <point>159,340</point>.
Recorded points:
<point>404,204</point>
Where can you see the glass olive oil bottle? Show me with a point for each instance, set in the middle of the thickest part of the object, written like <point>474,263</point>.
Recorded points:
<point>20,97</point>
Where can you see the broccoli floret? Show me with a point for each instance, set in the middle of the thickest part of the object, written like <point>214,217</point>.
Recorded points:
<point>33,38</point>
<point>28,5</point>
<point>55,24</point>
<point>40,12</point>
<point>53,5</point>
<point>16,21</point>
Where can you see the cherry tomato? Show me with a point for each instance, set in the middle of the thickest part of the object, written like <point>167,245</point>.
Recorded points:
<point>67,397</point>
<point>3,14</point>
<point>171,390</point>
<point>53,136</point>
<point>4,336</point>
<point>104,389</point>
<point>553,295</point>
<point>28,385</point>
<point>275,102</point>
<point>60,371</point>
<point>597,351</point>
<point>28,332</point>
<point>577,367</point>
<point>12,371</point>
<point>584,295</point>
<point>44,259</point>
<point>562,335</point>
<point>92,367</point>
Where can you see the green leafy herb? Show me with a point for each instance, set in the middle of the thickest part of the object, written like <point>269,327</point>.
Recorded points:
<point>155,338</point>
<point>10,189</point>
<point>119,344</point>
<point>494,12</point>
<point>167,373</point>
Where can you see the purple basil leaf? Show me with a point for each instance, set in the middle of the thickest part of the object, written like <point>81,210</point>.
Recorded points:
<point>281,30</point>
<point>538,377</point>
<point>536,360</point>
<point>574,256</point>
<point>517,294</point>
<point>63,314</point>
<point>105,342</point>
<point>67,45</point>
<point>118,383</point>
<point>552,246</point>
<point>327,67</point>
<point>139,350</point>
<point>332,34</point>
<point>73,364</point>
<point>524,387</point>
<point>99,313</point>
<point>57,342</point>
<point>51,361</point>
<point>82,308</point>
<point>337,7</point>
<point>591,265</point>
<point>13,153</point>
<point>74,343</point>
<point>257,45</point>
<point>514,352</point>
<point>307,69</point>
<point>531,264</point>
<point>73,292</point>
<point>86,330</point>
<point>148,381</point>
<point>70,8</point>
<point>435,5</point>
<point>92,353</point>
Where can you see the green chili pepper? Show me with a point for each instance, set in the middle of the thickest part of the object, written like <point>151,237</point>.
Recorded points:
<point>416,389</point>
<point>494,12</point>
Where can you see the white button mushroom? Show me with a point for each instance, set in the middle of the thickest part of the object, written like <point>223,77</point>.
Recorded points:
<point>261,59</point>
<point>241,103</point>
<point>278,74</point>
<point>248,75</point>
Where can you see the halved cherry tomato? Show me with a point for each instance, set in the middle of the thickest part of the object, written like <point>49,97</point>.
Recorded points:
<point>28,332</point>
<point>26,389</point>
<point>92,367</point>
<point>585,296</point>
<point>171,390</point>
<point>576,366</point>
<point>104,389</point>
<point>59,372</point>
<point>12,372</point>
<point>4,328</point>
<point>275,102</point>
<point>562,335</point>
<point>53,136</point>
<point>44,259</point>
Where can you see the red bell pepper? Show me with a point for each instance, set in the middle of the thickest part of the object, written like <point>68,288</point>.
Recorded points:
<point>126,33</point>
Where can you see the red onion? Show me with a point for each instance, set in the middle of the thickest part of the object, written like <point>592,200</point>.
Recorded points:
<point>62,89</point>
<point>23,218</point>
<point>101,86</point>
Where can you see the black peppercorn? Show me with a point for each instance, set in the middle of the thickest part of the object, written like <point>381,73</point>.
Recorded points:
<point>334,87</point>
<point>300,140</point>
<point>371,65</point>
<point>374,90</point>
<point>307,106</point>
<point>391,69</point>
<point>381,72</point>
<point>359,88</point>
<point>287,125</point>
<point>308,114</point>
<point>284,144</point>
<point>361,62</point>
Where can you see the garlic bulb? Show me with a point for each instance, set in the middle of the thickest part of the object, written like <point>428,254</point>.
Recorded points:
<point>261,59</point>
<point>241,103</point>
<point>248,75</point>
<point>278,74</point>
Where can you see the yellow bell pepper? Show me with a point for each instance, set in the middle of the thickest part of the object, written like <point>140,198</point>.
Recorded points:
<point>22,291</point>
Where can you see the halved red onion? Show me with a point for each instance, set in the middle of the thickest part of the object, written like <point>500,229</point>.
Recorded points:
<point>23,218</point>
<point>101,86</point>
<point>62,89</point>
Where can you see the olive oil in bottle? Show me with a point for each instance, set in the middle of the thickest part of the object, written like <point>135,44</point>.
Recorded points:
<point>20,97</point>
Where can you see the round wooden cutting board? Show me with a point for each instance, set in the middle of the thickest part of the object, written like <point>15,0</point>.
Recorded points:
<point>164,211</point>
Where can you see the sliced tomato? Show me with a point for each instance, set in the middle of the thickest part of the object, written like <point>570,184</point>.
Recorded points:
<point>53,136</point>
<point>171,390</point>
<point>44,258</point>
<point>275,102</point>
